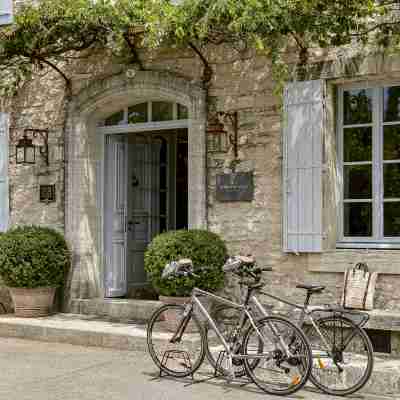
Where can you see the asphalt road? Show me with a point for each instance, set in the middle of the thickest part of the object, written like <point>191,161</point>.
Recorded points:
<point>52,371</point>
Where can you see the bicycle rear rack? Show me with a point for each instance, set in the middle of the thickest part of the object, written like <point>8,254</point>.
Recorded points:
<point>358,317</point>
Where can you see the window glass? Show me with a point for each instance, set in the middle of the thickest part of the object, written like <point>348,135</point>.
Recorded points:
<point>115,119</point>
<point>357,144</point>
<point>182,112</point>
<point>357,219</point>
<point>162,111</point>
<point>391,142</point>
<point>391,212</point>
<point>137,113</point>
<point>391,104</point>
<point>358,181</point>
<point>391,180</point>
<point>357,106</point>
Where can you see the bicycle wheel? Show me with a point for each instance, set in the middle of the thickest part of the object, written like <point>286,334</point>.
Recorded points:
<point>276,371</point>
<point>226,319</point>
<point>350,363</point>
<point>178,359</point>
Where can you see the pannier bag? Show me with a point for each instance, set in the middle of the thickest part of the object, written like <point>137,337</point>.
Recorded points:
<point>359,287</point>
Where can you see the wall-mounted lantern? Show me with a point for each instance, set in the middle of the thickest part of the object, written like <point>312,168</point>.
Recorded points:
<point>218,140</point>
<point>224,129</point>
<point>26,150</point>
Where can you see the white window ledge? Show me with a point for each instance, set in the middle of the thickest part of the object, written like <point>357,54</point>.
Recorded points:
<point>368,245</point>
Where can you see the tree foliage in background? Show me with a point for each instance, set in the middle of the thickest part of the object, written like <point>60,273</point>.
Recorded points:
<point>53,31</point>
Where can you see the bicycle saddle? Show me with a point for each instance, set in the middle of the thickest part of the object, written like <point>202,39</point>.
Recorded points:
<point>311,288</point>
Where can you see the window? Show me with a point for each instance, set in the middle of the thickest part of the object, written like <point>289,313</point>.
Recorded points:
<point>369,164</point>
<point>152,111</point>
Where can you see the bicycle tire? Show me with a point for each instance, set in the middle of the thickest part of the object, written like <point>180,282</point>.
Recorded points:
<point>160,330</point>
<point>350,362</point>
<point>296,342</point>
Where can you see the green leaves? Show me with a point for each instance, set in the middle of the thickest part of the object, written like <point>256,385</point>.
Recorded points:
<point>202,247</point>
<point>32,257</point>
<point>49,31</point>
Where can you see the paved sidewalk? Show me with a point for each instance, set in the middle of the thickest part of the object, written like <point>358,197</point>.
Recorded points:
<point>53,371</point>
<point>131,336</point>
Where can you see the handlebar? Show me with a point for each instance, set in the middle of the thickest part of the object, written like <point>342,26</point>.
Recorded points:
<point>243,265</point>
<point>239,265</point>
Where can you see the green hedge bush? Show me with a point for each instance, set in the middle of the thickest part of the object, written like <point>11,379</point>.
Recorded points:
<point>33,256</point>
<point>202,247</point>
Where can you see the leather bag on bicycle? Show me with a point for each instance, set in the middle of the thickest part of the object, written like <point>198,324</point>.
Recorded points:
<point>359,288</point>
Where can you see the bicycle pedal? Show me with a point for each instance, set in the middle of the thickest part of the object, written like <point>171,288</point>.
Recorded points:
<point>296,380</point>
<point>230,377</point>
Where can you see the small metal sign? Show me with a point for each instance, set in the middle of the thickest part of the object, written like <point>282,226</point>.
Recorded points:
<point>235,187</point>
<point>47,193</point>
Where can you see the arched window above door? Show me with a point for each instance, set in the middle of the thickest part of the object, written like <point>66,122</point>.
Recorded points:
<point>151,111</point>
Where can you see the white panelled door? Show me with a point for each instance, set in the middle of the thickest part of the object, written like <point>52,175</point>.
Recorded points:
<point>115,199</point>
<point>303,164</point>
<point>4,202</point>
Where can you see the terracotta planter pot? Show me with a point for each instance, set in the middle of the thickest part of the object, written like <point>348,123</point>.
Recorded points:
<point>36,302</point>
<point>171,319</point>
<point>173,300</point>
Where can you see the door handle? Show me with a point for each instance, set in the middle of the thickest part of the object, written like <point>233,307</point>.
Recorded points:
<point>130,223</point>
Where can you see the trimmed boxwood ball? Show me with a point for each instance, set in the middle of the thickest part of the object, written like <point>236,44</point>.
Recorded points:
<point>33,256</point>
<point>204,248</point>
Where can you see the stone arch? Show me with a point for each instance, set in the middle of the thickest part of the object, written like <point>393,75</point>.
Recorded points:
<point>83,222</point>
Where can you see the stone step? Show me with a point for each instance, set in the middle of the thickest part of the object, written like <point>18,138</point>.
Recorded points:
<point>89,330</point>
<point>76,329</point>
<point>118,309</point>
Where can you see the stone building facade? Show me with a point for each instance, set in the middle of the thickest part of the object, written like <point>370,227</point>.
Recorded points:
<point>240,82</point>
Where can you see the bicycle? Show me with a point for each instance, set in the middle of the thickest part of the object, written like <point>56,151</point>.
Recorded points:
<point>274,352</point>
<point>342,351</point>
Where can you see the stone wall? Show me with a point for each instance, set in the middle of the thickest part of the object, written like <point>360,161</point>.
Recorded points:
<point>240,82</point>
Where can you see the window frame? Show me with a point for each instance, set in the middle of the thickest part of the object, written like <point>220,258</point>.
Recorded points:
<point>377,240</point>
<point>124,110</point>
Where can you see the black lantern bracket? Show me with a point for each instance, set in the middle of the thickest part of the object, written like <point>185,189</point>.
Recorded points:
<point>27,150</point>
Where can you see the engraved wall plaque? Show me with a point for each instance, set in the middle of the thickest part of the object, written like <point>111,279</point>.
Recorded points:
<point>235,187</point>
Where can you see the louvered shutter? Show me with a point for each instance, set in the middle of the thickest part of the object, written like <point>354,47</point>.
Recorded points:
<point>304,123</point>
<point>4,208</point>
<point>6,12</point>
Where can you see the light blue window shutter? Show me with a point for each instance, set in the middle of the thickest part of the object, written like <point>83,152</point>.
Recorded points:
<point>4,206</point>
<point>6,12</point>
<point>304,122</point>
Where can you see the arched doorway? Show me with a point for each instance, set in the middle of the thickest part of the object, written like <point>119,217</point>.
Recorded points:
<point>86,133</point>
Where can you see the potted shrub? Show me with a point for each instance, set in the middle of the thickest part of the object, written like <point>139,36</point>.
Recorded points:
<point>204,248</point>
<point>33,263</point>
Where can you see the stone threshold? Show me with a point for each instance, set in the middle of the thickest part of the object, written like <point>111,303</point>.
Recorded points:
<point>89,330</point>
<point>118,309</point>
